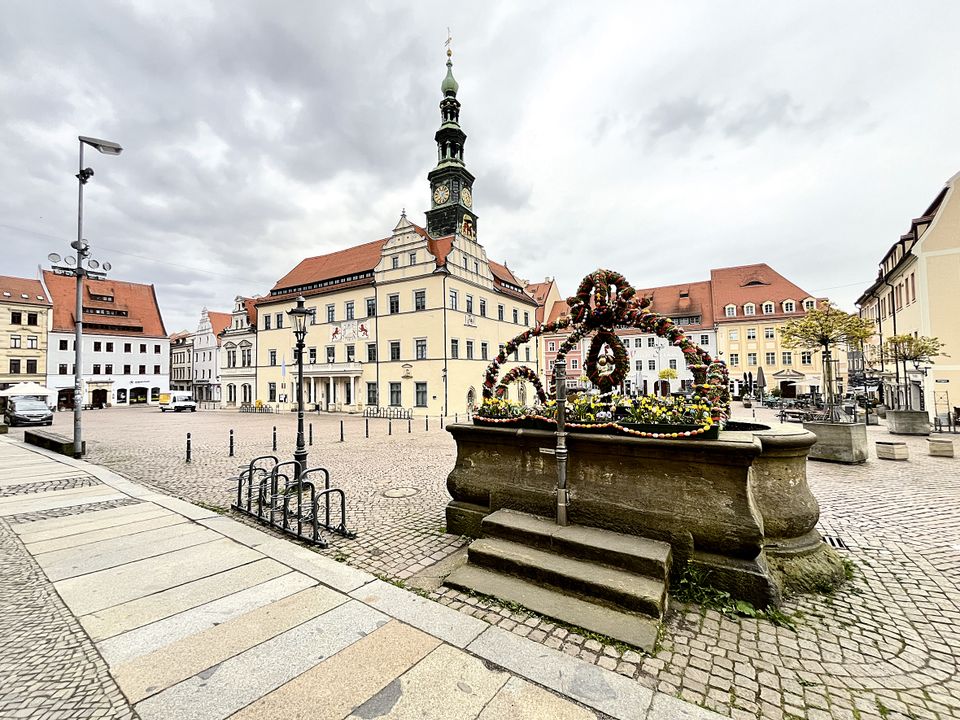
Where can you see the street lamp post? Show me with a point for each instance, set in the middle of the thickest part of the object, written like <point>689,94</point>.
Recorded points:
<point>298,317</point>
<point>560,389</point>
<point>75,267</point>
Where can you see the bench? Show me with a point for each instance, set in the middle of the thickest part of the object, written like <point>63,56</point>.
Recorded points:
<point>52,441</point>
<point>940,447</point>
<point>892,450</point>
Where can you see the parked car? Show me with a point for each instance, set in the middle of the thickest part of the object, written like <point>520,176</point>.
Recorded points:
<point>177,401</point>
<point>27,411</point>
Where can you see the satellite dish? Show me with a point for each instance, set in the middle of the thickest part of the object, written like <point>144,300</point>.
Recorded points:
<point>107,266</point>
<point>93,264</point>
<point>70,260</point>
<point>53,257</point>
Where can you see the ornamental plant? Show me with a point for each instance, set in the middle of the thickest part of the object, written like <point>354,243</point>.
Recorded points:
<point>500,408</point>
<point>822,328</point>
<point>913,349</point>
<point>652,410</point>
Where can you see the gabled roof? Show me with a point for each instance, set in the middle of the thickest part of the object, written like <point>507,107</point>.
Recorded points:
<point>340,264</point>
<point>138,302</point>
<point>557,310</point>
<point>507,283</point>
<point>439,247</point>
<point>219,321</point>
<point>683,300</point>
<point>23,291</point>
<point>251,305</point>
<point>752,283</point>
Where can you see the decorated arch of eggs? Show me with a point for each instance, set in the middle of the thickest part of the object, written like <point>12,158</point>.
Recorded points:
<point>605,301</point>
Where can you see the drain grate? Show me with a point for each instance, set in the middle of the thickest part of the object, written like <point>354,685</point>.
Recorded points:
<point>835,541</point>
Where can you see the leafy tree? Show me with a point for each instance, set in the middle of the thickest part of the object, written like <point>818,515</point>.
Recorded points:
<point>919,350</point>
<point>824,327</point>
<point>668,374</point>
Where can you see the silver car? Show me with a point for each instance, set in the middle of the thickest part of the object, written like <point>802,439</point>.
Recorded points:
<point>27,411</point>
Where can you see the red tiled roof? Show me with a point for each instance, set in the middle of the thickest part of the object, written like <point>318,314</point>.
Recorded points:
<point>352,260</point>
<point>559,309</point>
<point>752,284</point>
<point>138,300</point>
<point>251,305</point>
<point>18,287</point>
<point>501,275</point>
<point>439,247</point>
<point>669,300</point>
<point>219,321</point>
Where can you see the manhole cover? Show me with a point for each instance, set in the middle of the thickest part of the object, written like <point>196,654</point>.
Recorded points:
<point>400,492</point>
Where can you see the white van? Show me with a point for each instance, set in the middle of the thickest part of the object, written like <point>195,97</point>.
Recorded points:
<point>177,401</point>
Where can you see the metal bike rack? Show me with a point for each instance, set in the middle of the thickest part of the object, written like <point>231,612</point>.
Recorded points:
<point>270,492</point>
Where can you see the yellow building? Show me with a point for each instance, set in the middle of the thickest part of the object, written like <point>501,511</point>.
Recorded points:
<point>750,305</point>
<point>24,321</point>
<point>915,293</point>
<point>406,322</point>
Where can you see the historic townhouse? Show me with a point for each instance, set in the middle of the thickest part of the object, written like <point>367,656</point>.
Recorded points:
<point>750,305</point>
<point>409,321</point>
<point>736,316</point>
<point>206,355</point>
<point>915,293</point>
<point>24,317</point>
<point>126,351</point>
<point>238,354</point>
<point>181,361</point>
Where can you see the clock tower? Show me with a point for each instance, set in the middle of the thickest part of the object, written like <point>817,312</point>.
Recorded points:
<point>451,184</point>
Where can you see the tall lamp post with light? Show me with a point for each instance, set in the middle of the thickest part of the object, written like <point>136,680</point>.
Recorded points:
<point>298,317</point>
<point>75,266</point>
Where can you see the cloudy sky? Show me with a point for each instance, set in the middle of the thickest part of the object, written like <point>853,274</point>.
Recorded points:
<point>657,139</point>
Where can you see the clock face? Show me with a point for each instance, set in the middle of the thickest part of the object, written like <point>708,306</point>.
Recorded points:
<point>467,197</point>
<point>441,194</point>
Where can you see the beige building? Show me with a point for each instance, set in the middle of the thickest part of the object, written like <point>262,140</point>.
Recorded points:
<point>181,361</point>
<point>407,322</point>
<point>915,293</point>
<point>750,305</point>
<point>24,322</point>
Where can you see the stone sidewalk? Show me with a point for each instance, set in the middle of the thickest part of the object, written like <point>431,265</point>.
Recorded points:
<point>120,602</point>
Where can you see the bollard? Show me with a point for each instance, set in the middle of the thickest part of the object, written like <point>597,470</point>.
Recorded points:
<point>274,438</point>
<point>409,425</point>
<point>188,447</point>
<point>231,443</point>
<point>366,427</point>
<point>389,427</point>
<point>456,417</point>
<point>341,431</point>
<point>441,422</point>
<point>311,432</point>
<point>426,423</point>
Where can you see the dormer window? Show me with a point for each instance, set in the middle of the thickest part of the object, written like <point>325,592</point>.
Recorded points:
<point>768,308</point>
<point>809,304</point>
<point>789,306</point>
<point>730,311</point>
<point>749,309</point>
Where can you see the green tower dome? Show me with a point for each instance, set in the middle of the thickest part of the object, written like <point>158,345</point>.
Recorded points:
<point>449,86</point>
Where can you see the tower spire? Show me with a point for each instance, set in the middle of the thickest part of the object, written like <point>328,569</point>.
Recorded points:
<point>451,184</point>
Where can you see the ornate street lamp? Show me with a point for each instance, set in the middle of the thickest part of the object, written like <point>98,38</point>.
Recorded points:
<point>298,318</point>
<point>75,266</point>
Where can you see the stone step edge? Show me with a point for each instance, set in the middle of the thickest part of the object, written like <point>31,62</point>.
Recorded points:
<point>601,585</point>
<point>640,631</point>
<point>630,552</point>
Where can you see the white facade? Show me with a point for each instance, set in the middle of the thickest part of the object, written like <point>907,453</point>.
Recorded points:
<point>206,361</point>
<point>649,354</point>
<point>238,357</point>
<point>117,369</point>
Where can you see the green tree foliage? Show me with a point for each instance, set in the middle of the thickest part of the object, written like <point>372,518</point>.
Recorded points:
<point>667,374</point>
<point>823,328</point>
<point>920,350</point>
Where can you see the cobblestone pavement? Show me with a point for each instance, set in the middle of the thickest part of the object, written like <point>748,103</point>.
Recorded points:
<point>883,646</point>
<point>49,666</point>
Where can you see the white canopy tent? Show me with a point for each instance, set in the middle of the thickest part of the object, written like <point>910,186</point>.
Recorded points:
<point>22,389</point>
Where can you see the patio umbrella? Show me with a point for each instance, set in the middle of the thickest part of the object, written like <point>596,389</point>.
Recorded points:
<point>27,388</point>
<point>761,380</point>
